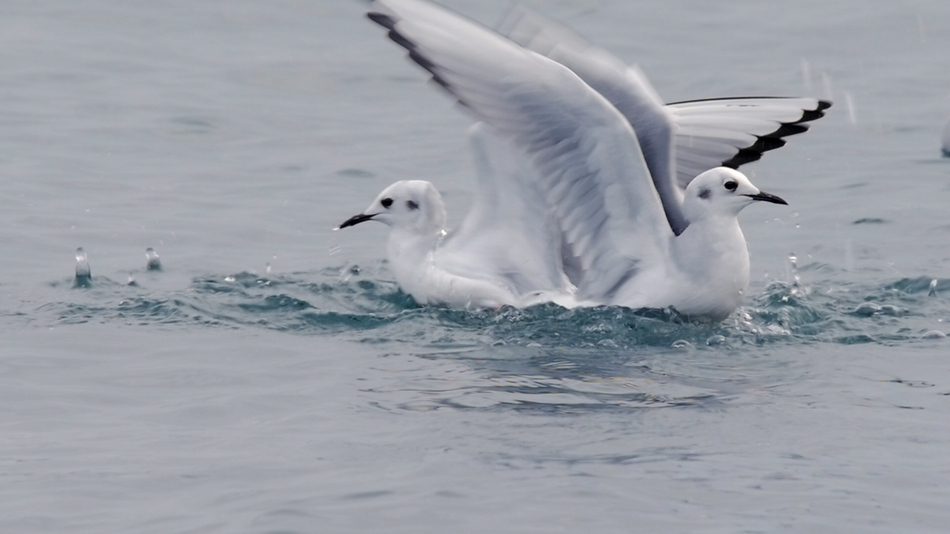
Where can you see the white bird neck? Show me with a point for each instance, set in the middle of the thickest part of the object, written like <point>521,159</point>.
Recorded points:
<point>713,250</point>
<point>409,251</point>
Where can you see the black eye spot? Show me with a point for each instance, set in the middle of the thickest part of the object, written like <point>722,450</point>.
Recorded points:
<point>386,202</point>
<point>704,193</point>
<point>411,204</point>
<point>731,185</point>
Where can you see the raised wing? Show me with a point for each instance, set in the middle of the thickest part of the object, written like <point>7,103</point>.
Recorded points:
<point>586,156</point>
<point>626,87</point>
<point>510,228</point>
<point>731,132</point>
<point>690,137</point>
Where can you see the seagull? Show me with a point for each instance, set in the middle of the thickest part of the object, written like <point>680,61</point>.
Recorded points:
<point>506,252</point>
<point>595,176</point>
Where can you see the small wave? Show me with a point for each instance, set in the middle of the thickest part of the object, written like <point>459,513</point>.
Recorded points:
<point>342,301</point>
<point>541,360</point>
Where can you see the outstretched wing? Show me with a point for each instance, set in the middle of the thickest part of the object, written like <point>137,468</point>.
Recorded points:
<point>510,233</point>
<point>626,87</point>
<point>690,137</point>
<point>730,132</point>
<point>586,157</point>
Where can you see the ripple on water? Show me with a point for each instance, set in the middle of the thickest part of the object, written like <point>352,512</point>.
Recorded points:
<point>370,309</point>
<point>541,360</point>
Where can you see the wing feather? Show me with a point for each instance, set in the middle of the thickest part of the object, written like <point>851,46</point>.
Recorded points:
<point>734,131</point>
<point>766,120</point>
<point>625,87</point>
<point>577,140</point>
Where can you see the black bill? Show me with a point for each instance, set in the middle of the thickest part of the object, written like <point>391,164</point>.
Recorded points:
<point>356,219</point>
<point>767,197</point>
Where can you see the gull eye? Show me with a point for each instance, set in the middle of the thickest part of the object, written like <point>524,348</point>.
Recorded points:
<point>731,185</point>
<point>412,204</point>
<point>386,202</point>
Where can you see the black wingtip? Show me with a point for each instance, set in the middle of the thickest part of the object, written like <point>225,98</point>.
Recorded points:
<point>382,19</point>
<point>388,22</point>
<point>401,40</point>
<point>745,155</point>
<point>817,113</point>
<point>773,140</point>
<point>790,128</point>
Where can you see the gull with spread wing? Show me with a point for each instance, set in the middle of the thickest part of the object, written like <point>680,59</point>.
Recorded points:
<point>587,192</point>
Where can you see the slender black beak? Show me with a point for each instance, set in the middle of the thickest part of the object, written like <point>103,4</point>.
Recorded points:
<point>768,197</point>
<point>356,219</point>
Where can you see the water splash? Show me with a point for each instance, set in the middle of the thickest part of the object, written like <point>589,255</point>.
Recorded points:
<point>83,272</point>
<point>849,103</point>
<point>369,307</point>
<point>152,262</point>
<point>806,75</point>
<point>796,286</point>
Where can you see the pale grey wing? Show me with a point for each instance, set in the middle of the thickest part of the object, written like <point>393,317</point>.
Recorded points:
<point>731,132</point>
<point>626,87</point>
<point>510,233</point>
<point>588,164</point>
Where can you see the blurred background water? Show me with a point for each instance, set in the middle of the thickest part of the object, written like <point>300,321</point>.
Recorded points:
<point>273,378</point>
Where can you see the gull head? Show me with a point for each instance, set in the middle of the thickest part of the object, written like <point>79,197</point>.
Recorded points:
<point>722,191</point>
<point>409,204</point>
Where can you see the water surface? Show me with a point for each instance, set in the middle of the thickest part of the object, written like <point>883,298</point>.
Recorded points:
<point>273,378</point>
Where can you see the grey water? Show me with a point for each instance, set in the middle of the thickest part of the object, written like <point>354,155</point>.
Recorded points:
<point>268,375</point>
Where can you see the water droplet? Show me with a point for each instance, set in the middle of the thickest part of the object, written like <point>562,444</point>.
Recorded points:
<point>806,75</point>
<point>826,82</point>
<point>267,268</point>
<point>83,272</point>
<point>849,103</point>
<point>229,279</point>
<point>793,268</point>
<point>933,288</point>
<point>152,263</point>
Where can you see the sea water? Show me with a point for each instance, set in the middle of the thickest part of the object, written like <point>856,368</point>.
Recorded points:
<point>272,377</point>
